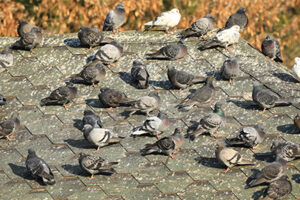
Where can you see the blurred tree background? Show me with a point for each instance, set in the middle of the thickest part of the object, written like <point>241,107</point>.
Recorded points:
<point>280,18</point>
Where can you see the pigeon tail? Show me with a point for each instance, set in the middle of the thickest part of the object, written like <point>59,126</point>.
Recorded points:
<point>209,44</point>
<point>186,33</point>
<point>234,142</point>
<point>245,162</point>
<point>149,148</point>
<point>198,79</point>
<point>115,140</point>
<point>49,181</point>
<point>257,181</point>
<point>196,133</point>
<point>139,131</point>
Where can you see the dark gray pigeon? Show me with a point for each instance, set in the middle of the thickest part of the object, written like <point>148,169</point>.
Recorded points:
<point>285,150</point>
<point>115,18</point>
<point>114,98</point>
<point>230,157</point>
<point>109,53</point>
<point>29,40</point>
<point>140,75</point>
<point>270,173</point>
<point>90,36</point>
<point>210,123</point>
<point>60,96</point>
<point>239,18</point>
<point>271,48</point>
<point>92,73</point>
<point>89,117</point>
<point>249,136</point>
<point>230,69</point>
<point>38,168</point>
<point>201,96</point>
<point>182,79</point>
<point>6,58</point>
<point>8,126</point>
<point>170,52</point>
<point>166,145</point>
<point>95,164</point>
<point>267,99</point>
<point>199,27</point>
<point>25,28</point>
<point>278,189</point>
<point>2,100</point>
<point>297,121</point>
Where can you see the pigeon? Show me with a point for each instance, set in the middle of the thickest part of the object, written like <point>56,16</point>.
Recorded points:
<point>146,104</point>
<point>297,121</point>
<point>25,28</point>
<point>249,136</point>
<point>9,126</point>
<point>230,157</point>
<point>270,173</point>
<point>60,96</point>
<point>210,123</point>
<point>89,117</point>
<point>278,189</point>
<point>92,73</point>
<point>271,48</point>
<point>99,136</point>
<point>199,27</point>
<point>109,53</point>
<point>6,58</point>
<point>114,98</point>
<point>170,52</point>
<point>230,69</point>
<point>153,125</point>
<point>165,20</point>
<point>29,40</point>
<point>267,99</point>
<point>90,36</point>
<point>286,150</point>
<point>296,68</point>
<point>140,74</point>
<point>115,18</point>
<point>223,38</point>
<point>2,100</point>
<point>95,164</point>
<point>38,168</point>
<point>239,18</point>
<point>166,145</point>
<point>182,79</point>
<point>202,95</point>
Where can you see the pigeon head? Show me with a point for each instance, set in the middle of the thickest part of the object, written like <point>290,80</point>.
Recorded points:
<point>162,115</point>
<point>15,118</point>
<point>268,44</point>
<point>209,16</point>
<point>178,132</point>
<point>31,152</point>
<point>221,144</point>
<point>180,42</point>
<point>88,112</point>
<point>36,30</point>
<point>241,10</point>
<point>256,84</point>
<point>175,10</point>
<point>209,80</point>
<point>259,127</point>
<point>236,28</point>
<point>2,100</point>
<point>137,62</point>
<point>270,37</point>
<point>218,109</point>
<point>22,22</point>
<point>87,128</point>
<point>153,94</point>
<point>218,106</point>
<point>117,44</point>
<point>281,160</point>
<point>120,6</point>
<point>81,154</point>
<point>274,145</point>
<point>104,89</point>
<point>297,60</point>
<point>232,63</point>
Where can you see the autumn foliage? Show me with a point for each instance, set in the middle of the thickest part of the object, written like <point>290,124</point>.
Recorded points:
<point>281,18</point>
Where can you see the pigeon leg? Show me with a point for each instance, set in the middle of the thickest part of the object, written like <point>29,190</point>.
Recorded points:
<point>210,101</point>
<point>254,148</point>
<point>66,107</point>
<point>230,81</point>
<point>92,177</point>
<point>263,111</point>
<point>158,136</point>
<point>97,149</point>
<point>10,138</point>
<point>167,31</point>
<point>226,170</point>
<point>176,152</point>
<point>172,156</point>
<point>95,85</point>
<point>110,108</point>
<point>214,134</point>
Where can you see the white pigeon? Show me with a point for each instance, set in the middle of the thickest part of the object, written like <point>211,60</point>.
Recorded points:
<point>296,68</point>
<point>165,20</point>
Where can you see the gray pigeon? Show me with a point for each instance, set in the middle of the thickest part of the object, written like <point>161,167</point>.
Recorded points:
<point>29,40</point>
<point>24,28</point>
<point>182,79</point>
<point>8,126</point>
<point>249,136</point>
<point>99,136</point>
<point>271,48</point>
<point>95,164</point>
<point>60,96</point>
<point>153,125</point>
<point>140,75</point>
<point>239,18</point>
<point>230,69</point>
<point>230,157</point>
<point>38,168</point>
<point>297,121</point>
<point>166,145</point>
<point>210,123</point>
<point>270,173</point>
<point>267,99</point>
<point>146,103</point>
<point>202,95</point>
<point>285,150</point>
<point>115,18</point>
<point>224,38</point>
<point>90,36</point>
<point>114,98</point>
<point>6,58</point>
<point>170,52</point>
<point>278,189</point>
<point>92,73</point>
<point>199,27</point>
<point>109,53</point>
<point>89,117</point>
<point>2,100</point>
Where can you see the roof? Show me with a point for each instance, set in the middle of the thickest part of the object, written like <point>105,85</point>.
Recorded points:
<point>194,174</point>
